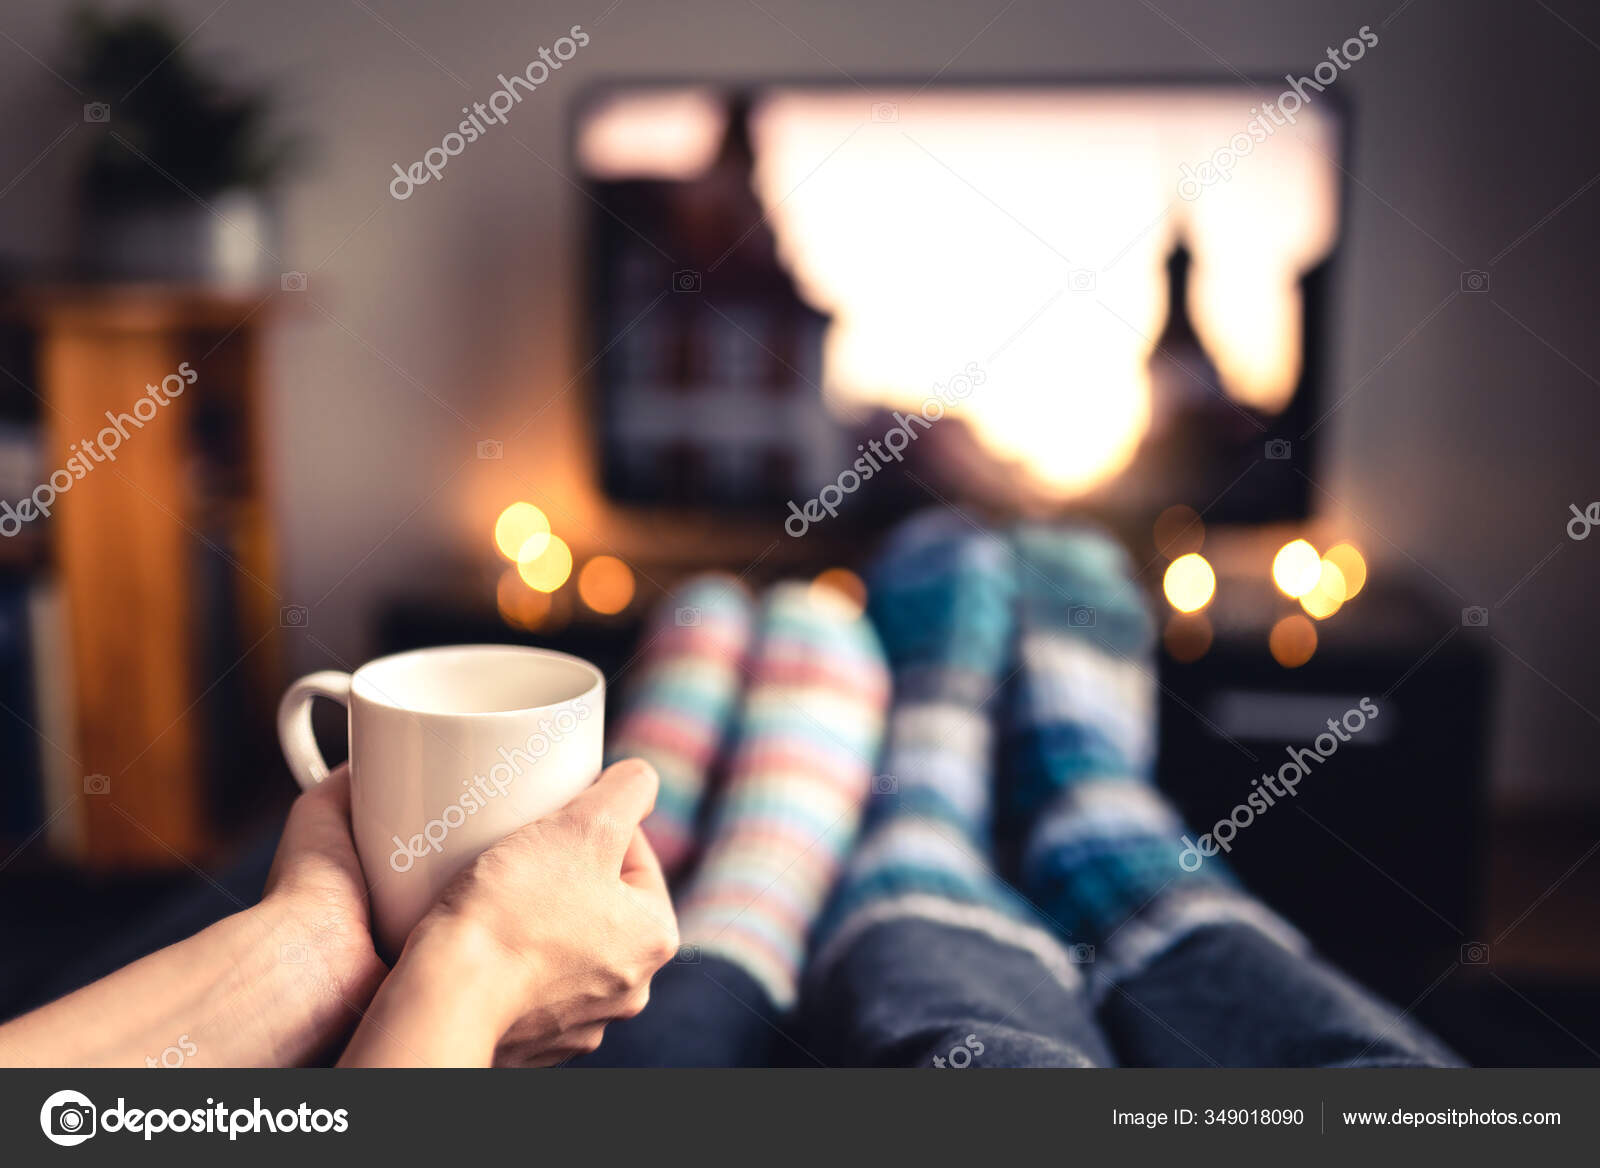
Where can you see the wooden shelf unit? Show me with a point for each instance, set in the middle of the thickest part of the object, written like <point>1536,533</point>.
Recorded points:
<point>128,547</point>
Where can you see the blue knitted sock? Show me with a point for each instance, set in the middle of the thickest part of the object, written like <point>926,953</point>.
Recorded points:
<point>1101,845</point>
<point>942,599</point>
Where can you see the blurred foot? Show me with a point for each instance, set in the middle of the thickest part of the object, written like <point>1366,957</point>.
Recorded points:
<point>809,732</point>
<point>1100,844</point>
<point>943,598</point>
<point>681,702</point>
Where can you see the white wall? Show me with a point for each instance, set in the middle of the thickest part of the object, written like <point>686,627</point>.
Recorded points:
<point>1462,443</point>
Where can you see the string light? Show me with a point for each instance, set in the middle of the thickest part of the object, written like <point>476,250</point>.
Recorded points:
<point>1296,568</point>
<point>1352,566</point>
<point>1327,595</point>
<point>549,569</point>
<point>516,529</point>
<point>1293,640</point>
<point>1187,636</point>
<point>1178,530</point>
<point>606,585</point>
<point>1189,583</point>
<point>519,605</point>
<point>837,582</point>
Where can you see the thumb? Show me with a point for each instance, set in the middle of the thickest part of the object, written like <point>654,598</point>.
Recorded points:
<point>624,794</point>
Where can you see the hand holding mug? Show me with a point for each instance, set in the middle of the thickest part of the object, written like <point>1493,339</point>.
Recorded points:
<point>543,939</point>
<point>451,750</point>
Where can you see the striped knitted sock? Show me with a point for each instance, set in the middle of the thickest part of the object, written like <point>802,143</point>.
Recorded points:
<point>810,728</point>
<point>682,700</point>
<point>1101,844</point>
<point>942,601</point>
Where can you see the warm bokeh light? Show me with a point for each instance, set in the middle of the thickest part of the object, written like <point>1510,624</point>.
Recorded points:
<point>1327,594</point>
<point>548,570</point>
<point>1351,565</point>
<point>517,526</point>
<point>1296,568</point>
<point>1293,640</point>
<point>1189,583</point>
<point>519,605</point>
<point>1179,530</point>
<point>842,582</point>
<point>606,585</point>
<point>1187,636</point>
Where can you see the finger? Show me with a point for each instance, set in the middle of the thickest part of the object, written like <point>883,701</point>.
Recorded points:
<point>641,868</point>
<point>335,789</point>
<point>623,795</point>
<point>307,824</point>
<point>327,802</point>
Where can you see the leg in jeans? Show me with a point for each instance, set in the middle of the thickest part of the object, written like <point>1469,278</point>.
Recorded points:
<point>1188,969</point>
<point>923,957</point>
<point>808,732</point>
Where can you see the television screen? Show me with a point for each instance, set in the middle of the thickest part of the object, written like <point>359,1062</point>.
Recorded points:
<point>1110,297</point>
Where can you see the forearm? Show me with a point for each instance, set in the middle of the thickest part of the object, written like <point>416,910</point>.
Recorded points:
<point>248,991</point>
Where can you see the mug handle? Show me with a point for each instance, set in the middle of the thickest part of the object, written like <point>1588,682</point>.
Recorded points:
<point>294,723</point>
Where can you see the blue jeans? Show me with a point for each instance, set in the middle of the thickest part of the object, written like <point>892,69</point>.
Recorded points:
<point>914,992</point>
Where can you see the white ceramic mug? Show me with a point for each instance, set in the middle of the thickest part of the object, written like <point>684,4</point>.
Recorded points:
<point>451,750</point>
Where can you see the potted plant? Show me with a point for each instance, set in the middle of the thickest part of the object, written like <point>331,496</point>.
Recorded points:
<point>177,183</point>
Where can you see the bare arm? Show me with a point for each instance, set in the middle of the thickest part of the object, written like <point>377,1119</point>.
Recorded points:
<point>276,984</point>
